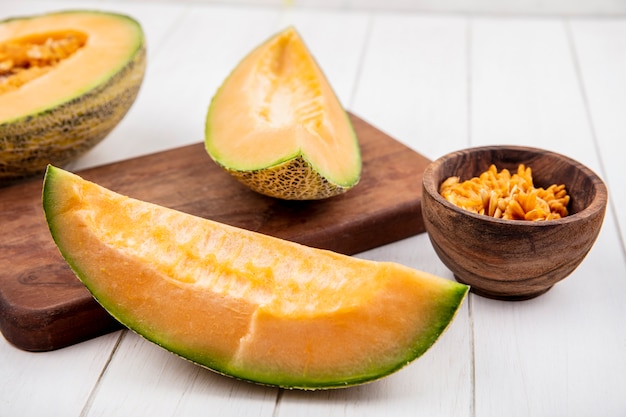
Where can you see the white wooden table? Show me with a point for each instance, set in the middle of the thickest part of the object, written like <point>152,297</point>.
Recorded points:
<point>437,83</point>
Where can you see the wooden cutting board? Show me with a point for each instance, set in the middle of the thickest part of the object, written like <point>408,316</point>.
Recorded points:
<point>43,306</point>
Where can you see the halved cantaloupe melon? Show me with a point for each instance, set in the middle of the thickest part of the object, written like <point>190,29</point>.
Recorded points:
<point>66,80</point>
<point>277,126</point>
<point>241,303</point>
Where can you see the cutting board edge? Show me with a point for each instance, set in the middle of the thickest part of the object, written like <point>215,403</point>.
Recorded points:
<point>33,329</point>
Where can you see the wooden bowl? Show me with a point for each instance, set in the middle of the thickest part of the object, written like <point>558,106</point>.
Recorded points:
<point>512,259</point>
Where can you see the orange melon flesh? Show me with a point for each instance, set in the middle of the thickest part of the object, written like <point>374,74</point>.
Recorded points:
<point>241,303</point>
<point>277,106</point>
<point>105,38</point>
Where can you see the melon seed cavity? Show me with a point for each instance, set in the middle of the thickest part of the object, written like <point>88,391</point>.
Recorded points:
<point>25,59</point>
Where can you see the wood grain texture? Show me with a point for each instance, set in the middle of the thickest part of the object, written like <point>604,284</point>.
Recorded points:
<point>513,259</point>
<point>414,81</point>
<point>44,307</point>
<point>185,69</point>
<point>419,77</point>
<point>600,51</point>
<point>555,354</point>
<point>77,368</point>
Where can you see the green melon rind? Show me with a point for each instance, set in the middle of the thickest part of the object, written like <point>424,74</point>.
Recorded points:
<point>293,179</point>
<point>64,130</point>
<point>290,177</point>
<point>445,310</point>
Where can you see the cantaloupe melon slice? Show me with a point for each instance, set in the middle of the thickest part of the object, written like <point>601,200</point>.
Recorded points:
<point>66,80</point>
<point>277,126</point>
<point>241,303</point>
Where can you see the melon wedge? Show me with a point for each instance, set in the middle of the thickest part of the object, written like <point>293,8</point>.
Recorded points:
<point>277,126</point>
<point>66,80</point>
<point>241,303</point>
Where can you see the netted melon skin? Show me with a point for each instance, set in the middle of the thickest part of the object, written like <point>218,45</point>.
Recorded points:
<point>295,179</point>
<point>64,132</point>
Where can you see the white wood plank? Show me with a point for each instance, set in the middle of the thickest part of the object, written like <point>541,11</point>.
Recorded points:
<point>56,383</point>
<point>600,47</point>
<point>184,73</point>
<point>178,90</point>
<point>413,82</point>
<point>146,380</point>
<point>337,48</point>
<point>525,89</point>
<point>560,353</point>
<point>490,7</point>
<point>157,21</point>
<point>522,7</point>
<point>11,9</point>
